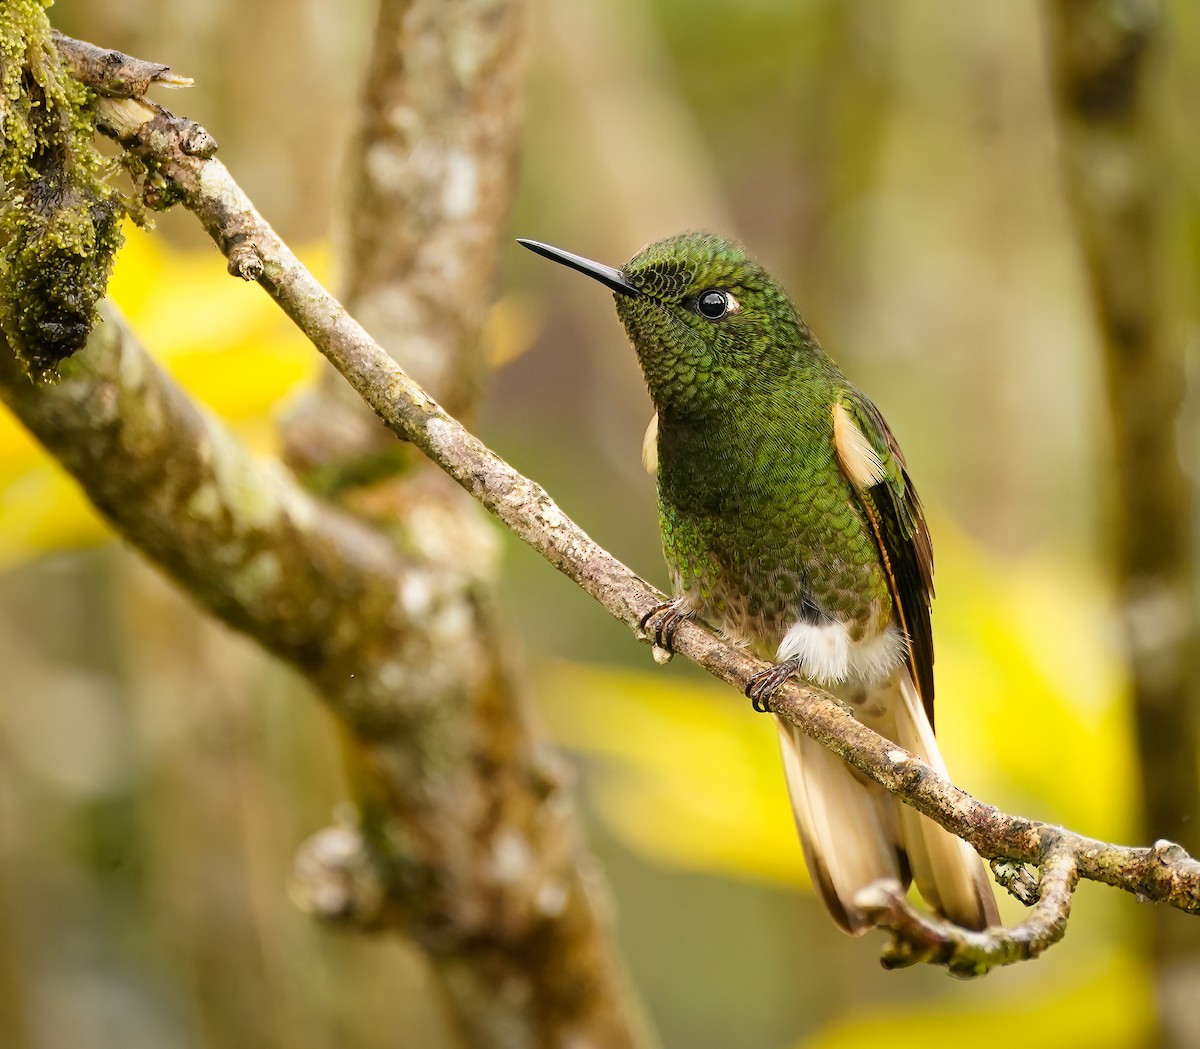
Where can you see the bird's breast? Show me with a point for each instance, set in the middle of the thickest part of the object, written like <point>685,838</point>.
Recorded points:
<point>757,546</point>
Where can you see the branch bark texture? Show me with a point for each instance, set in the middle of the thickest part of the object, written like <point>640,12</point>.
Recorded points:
<point>476,846</point>
<point>474,835</point>
<point>431,176</point>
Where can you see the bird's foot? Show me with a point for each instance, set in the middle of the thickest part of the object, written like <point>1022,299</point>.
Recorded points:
<point>669,615</point>
<point>763,686</point>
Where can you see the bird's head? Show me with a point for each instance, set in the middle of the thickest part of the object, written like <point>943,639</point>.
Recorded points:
<point>706,320</point>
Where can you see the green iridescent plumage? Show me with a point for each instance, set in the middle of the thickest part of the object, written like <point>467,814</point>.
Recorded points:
<point>790,524</point>
<point>756,513</point>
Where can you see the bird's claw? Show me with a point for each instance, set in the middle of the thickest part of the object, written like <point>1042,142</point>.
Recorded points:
<point>670,616</point>
<point>763,686</point>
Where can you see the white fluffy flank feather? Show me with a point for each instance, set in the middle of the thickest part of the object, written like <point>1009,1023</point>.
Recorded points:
<point>829,657</point>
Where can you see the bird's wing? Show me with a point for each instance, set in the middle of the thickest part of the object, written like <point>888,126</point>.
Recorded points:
<point>873,463</point>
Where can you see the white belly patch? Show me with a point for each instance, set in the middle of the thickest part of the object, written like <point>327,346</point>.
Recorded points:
<point>828,656</point>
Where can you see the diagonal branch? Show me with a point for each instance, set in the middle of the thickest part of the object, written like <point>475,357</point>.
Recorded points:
<point>238,534</point>
<point>464,777</point>
<point>467,840</point>
<point>1164,872</point>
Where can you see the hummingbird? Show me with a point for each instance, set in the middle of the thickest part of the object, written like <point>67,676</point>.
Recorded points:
<point>790,525</point>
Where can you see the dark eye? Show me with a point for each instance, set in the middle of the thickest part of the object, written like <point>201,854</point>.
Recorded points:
<point>712,304</point>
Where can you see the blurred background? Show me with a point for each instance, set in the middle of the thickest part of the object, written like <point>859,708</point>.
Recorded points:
<point>895,162</point>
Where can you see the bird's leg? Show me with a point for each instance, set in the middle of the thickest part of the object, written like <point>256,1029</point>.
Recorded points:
<point>671,614</point>
<point>763,686</point>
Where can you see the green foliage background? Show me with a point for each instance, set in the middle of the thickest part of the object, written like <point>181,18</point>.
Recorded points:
<point>895,163</point>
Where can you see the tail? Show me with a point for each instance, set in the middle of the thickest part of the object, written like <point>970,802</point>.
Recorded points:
<point>853,832</point>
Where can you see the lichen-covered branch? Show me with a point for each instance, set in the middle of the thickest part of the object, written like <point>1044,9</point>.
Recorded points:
<point>476,841</point>
<point>1164,872</point>
<point>431,176</point>
<point>466,823</point>
<point>59,218</point>
<point>242,538</point>
<point>918,938</point>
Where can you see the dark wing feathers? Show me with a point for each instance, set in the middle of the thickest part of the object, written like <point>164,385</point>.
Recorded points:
<point>894,510</point>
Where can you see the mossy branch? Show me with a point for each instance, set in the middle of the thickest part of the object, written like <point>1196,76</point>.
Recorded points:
<point>396,631</point>
<point>59,217</point>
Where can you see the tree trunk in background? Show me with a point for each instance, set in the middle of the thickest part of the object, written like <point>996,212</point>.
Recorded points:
<point>207,761</point>
<point>431,178</point>
<point>1104,56</point>
<point>461,796</point>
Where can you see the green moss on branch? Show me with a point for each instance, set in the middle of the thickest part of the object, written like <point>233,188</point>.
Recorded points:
<point>59,217</point>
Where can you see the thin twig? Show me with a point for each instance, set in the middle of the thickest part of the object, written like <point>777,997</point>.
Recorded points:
<point>113,73</point>
<point>918,938</point>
